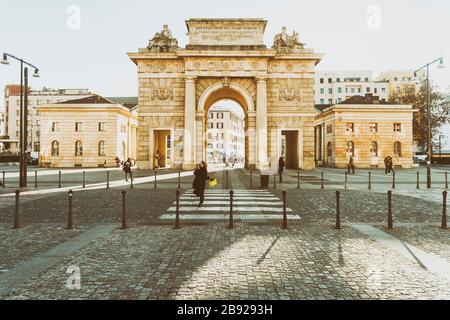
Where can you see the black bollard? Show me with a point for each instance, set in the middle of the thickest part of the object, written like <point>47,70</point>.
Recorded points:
<point>285,224</point>
<point>321,182</point>
<point>390,222</point>
<point>298,179</point>
<point>251,179</point>
<point>444,210</point>
<point>338,210</point>
<point>346,180</point>
<point>446,181</point>
<point>370,180</point>
<point>70,216</point>
<point>16,212</point>
<point>179,180</point>
<point>84,179</point>
<point>393,179</point>
<point>124,217</point>
<point>131,182</point>
<point>417,181</point>
<point>35,179</point>
<point>231,222</point>
<point>107,179</point>
<point>156,175</point>
<point>177,216</point>
<point>3,185</point>
<point>59,179</point>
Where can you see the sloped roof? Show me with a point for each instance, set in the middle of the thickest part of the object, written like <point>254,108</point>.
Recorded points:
<point>367,99</point>
<point>94,99</point>
<point>128,102</point>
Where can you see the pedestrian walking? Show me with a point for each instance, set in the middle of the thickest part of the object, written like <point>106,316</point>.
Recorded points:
<point>199,184</point>
<point>391,165</point>
<point>351,166</point>
<point>127,169</point>
<point>281,165</point>
<point>118,162</point>
<point>386,165</point>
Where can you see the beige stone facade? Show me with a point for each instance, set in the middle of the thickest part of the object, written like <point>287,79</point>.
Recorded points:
<point>226,59</point>
<point>86,133</point>
<point>369,132</point>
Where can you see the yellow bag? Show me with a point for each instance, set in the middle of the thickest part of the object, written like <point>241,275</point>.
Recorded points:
<point>212,183</point>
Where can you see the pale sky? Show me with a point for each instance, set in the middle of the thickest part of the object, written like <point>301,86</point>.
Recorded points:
<point>410,34</point>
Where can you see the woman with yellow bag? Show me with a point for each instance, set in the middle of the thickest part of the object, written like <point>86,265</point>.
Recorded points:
<point>199,184</point>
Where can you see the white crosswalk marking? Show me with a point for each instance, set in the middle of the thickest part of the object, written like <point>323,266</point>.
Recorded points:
<point>248,205</point>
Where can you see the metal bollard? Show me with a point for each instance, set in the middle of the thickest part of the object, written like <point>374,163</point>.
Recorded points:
<point>59,179</point>
<point>298,179</point>
<point>16,212</point>
<point>124,217</point>
<point>179,180</point>
<point>393,179</point>
<point>390,222</point>
<point>177,216</point>
<point>35,179</point>
<point>338,210</point>
<point>84,179</point>
<point>346,180</point>
<point>156,176</point>
<point>370,180</point>
<point>321,182</point>
<point>131,182</point>
<point>444,210</point>
<point>446,181</point>
<point>3,185</point>
<point>285,225</point>
<point>70,216</point>
<point>231,222</point>
<point>107,179</point>
<point>417,181</point>
<point>251,179</point>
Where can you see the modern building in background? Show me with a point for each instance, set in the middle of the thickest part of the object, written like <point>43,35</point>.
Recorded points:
<point>11,111</point>
<point>87,132</point>
<point>366,129</point>
<point>400,81</point>
<point>226,136</point>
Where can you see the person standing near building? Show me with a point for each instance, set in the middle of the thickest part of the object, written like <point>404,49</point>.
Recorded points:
<point>351,166</point>
<point>127,169</point>
<point>386,165</point>
<point>281,165</point>
<point>391,165</point>
<point>199,184</point>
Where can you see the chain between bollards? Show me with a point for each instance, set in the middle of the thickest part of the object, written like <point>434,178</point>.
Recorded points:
<point>124,217</point>
<point>70,216</point>
<point>285,224</point>
<point>231,221</point>
<point>390,220</point>
<point>444,210</point>
<point>177,214</point>
<point>59,179</point>
<point>370,180</point>
<point>16,212</point>
<point>338,210</point>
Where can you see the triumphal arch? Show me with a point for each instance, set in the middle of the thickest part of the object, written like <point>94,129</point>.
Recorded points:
<point>226,59</point>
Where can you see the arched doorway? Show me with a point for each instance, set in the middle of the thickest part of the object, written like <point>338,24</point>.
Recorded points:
<point>225,134</point>
<point>241,103</point>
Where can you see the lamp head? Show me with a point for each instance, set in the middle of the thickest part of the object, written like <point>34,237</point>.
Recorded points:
<point>441,63</point>
<point>36,73</point>
<point>4,59</point>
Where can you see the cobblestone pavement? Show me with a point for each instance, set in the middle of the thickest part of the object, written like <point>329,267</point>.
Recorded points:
<point>311,260</point>
<point>249,262</point>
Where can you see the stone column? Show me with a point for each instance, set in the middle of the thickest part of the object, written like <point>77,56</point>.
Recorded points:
<point>189,125</point>
<point>261,123</point>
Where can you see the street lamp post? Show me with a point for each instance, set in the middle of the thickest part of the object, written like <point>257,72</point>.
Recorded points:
<point>430,147</point>
<point>23,114</point>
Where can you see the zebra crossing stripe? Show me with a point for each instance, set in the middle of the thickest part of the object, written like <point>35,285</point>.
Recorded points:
<point>225,203</point>
<point>238,209</point>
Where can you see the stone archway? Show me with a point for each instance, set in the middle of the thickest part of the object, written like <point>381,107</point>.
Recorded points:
<point>237,93</point>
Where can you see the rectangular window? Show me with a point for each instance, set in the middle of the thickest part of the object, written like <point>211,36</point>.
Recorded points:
<point>350,127</point>
<point>373,127</point>
<point>211,115</point>
<point>339,90</point>
<point>330,91</point>
<point>219,125</point>
<point>322,90</point>
<point>352,90</point>
<point>220,115</point>
<point>101,126</point>
<point>210,125</point>
<point>321,80</point>
<point>329,128</point>
<point>375,90</point>
<point>78,126</point>
<point>55,126</point>
<point>368,89</point>
<point>339,100</point>
<point>338,79</point>
<point>330,80</point>
<point>330,101</point>
<point>397,127</point>
<point>322,101</point>
<point>383,90</point>
<point>37,147</point>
